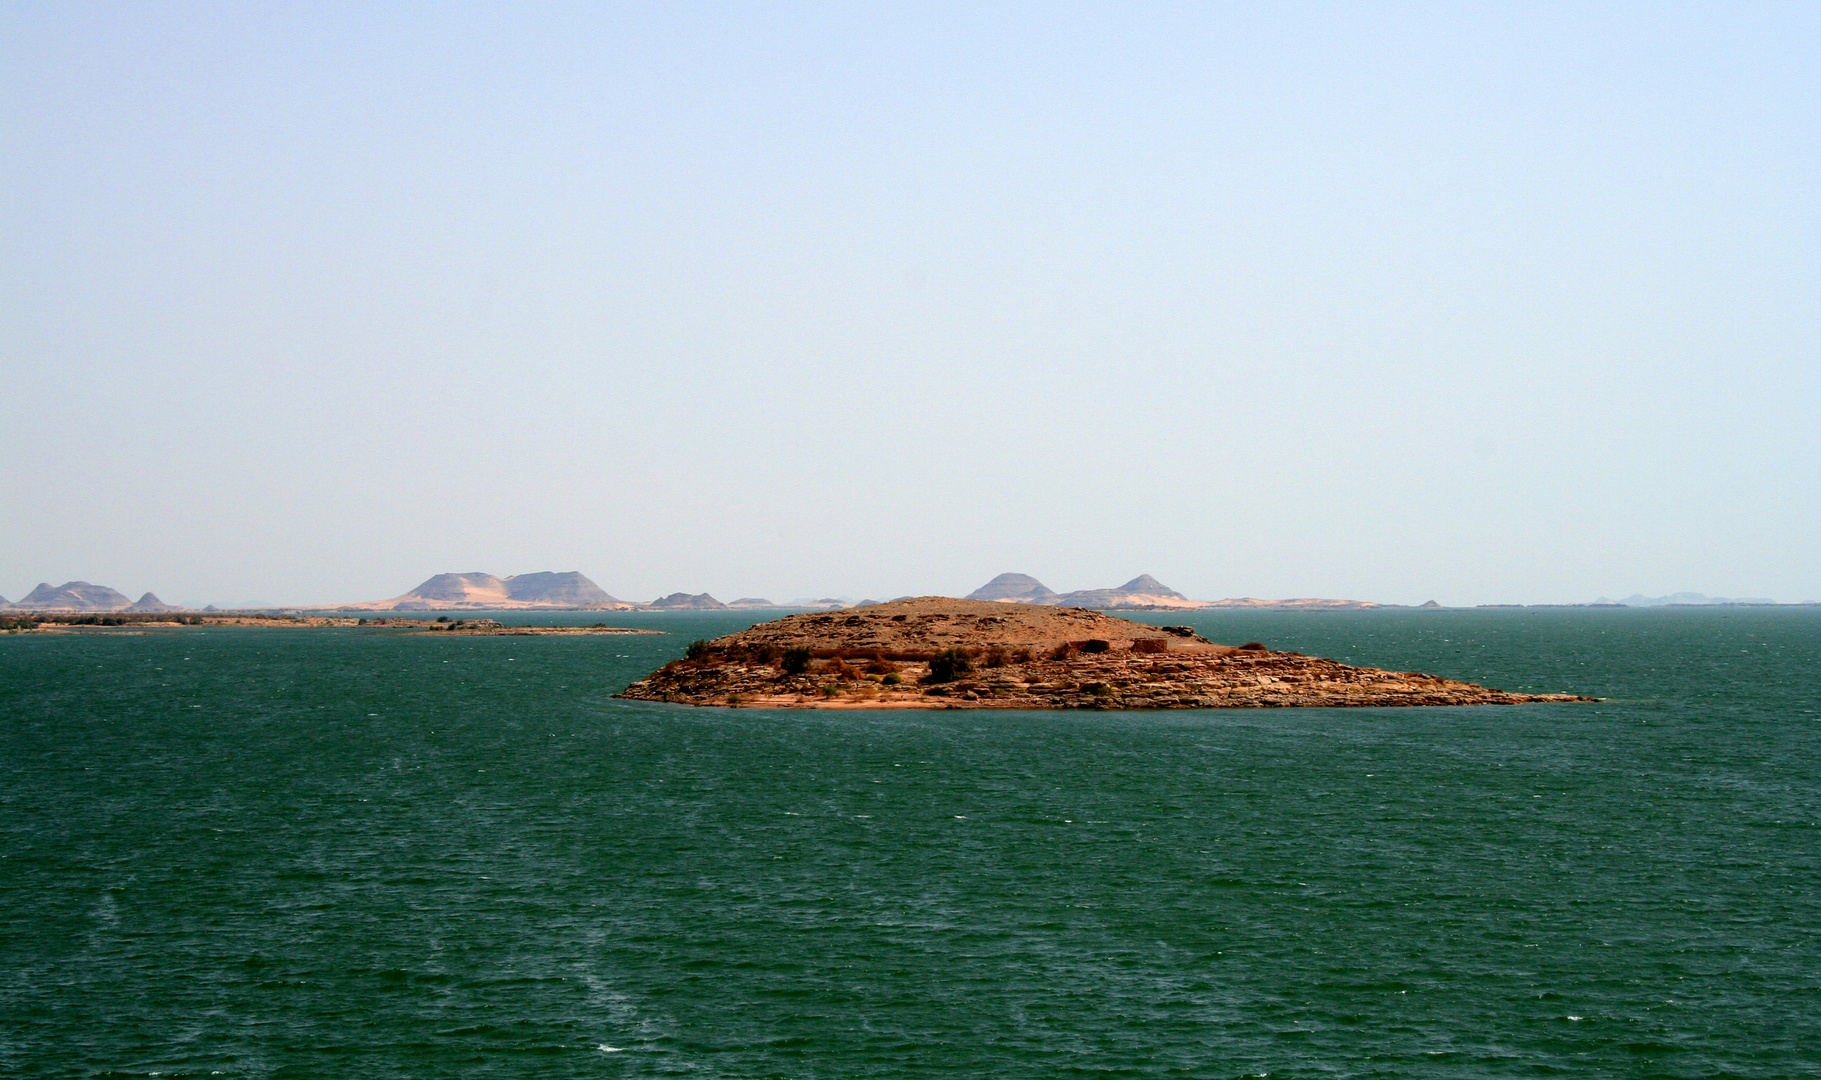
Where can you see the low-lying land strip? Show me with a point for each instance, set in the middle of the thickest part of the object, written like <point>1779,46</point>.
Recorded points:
<point>126,622</point>
<point>491,627</point>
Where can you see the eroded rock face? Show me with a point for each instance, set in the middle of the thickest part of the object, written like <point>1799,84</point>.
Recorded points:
<point>924,625</point>
<point>936,652</point>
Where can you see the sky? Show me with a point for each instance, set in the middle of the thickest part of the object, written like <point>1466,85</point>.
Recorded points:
<point>1473,302</point>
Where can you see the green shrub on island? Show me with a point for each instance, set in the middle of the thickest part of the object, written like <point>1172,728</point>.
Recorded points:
<point>698,650</point>
<point>796,660</point>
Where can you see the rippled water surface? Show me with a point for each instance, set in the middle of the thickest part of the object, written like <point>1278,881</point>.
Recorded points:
<point>329,853</point>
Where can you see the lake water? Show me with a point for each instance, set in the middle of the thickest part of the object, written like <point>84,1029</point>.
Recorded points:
<point>328,853</point>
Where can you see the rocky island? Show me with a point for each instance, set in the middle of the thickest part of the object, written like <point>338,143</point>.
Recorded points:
<point>937,652</point>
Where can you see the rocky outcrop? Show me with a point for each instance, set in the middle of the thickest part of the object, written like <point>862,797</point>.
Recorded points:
<point>937,652</point>
<point>73,596</point>
<point>677,601</point>
<point>151,603</point>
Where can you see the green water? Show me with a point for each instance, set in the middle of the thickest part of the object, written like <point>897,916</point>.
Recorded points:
<point>256,853</point>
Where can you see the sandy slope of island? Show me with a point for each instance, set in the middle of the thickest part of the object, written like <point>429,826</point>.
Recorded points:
<point>938,652</point>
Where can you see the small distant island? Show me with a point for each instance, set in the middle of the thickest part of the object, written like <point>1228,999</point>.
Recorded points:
<point>131,622</point>
<point>939,652</point>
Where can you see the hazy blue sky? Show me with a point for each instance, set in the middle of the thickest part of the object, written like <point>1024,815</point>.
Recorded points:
<point>1478,302</point>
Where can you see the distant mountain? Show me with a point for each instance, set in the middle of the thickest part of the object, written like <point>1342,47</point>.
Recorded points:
<point>677,601</point>
<point>751,602</point>
<point>1146,585</point>
<point>73,596</point>
<point>1021,588</point>
<point>568,590</point>
<point>1143,591</point>
<point>148,602</point>
<point>477,591</point>
<point>1639,600</point>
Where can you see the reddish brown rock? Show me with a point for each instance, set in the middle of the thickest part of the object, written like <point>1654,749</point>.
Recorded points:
<point>937,652</point>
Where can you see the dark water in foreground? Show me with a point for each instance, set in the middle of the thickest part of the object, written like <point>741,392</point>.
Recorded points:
<point>325,853</point>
